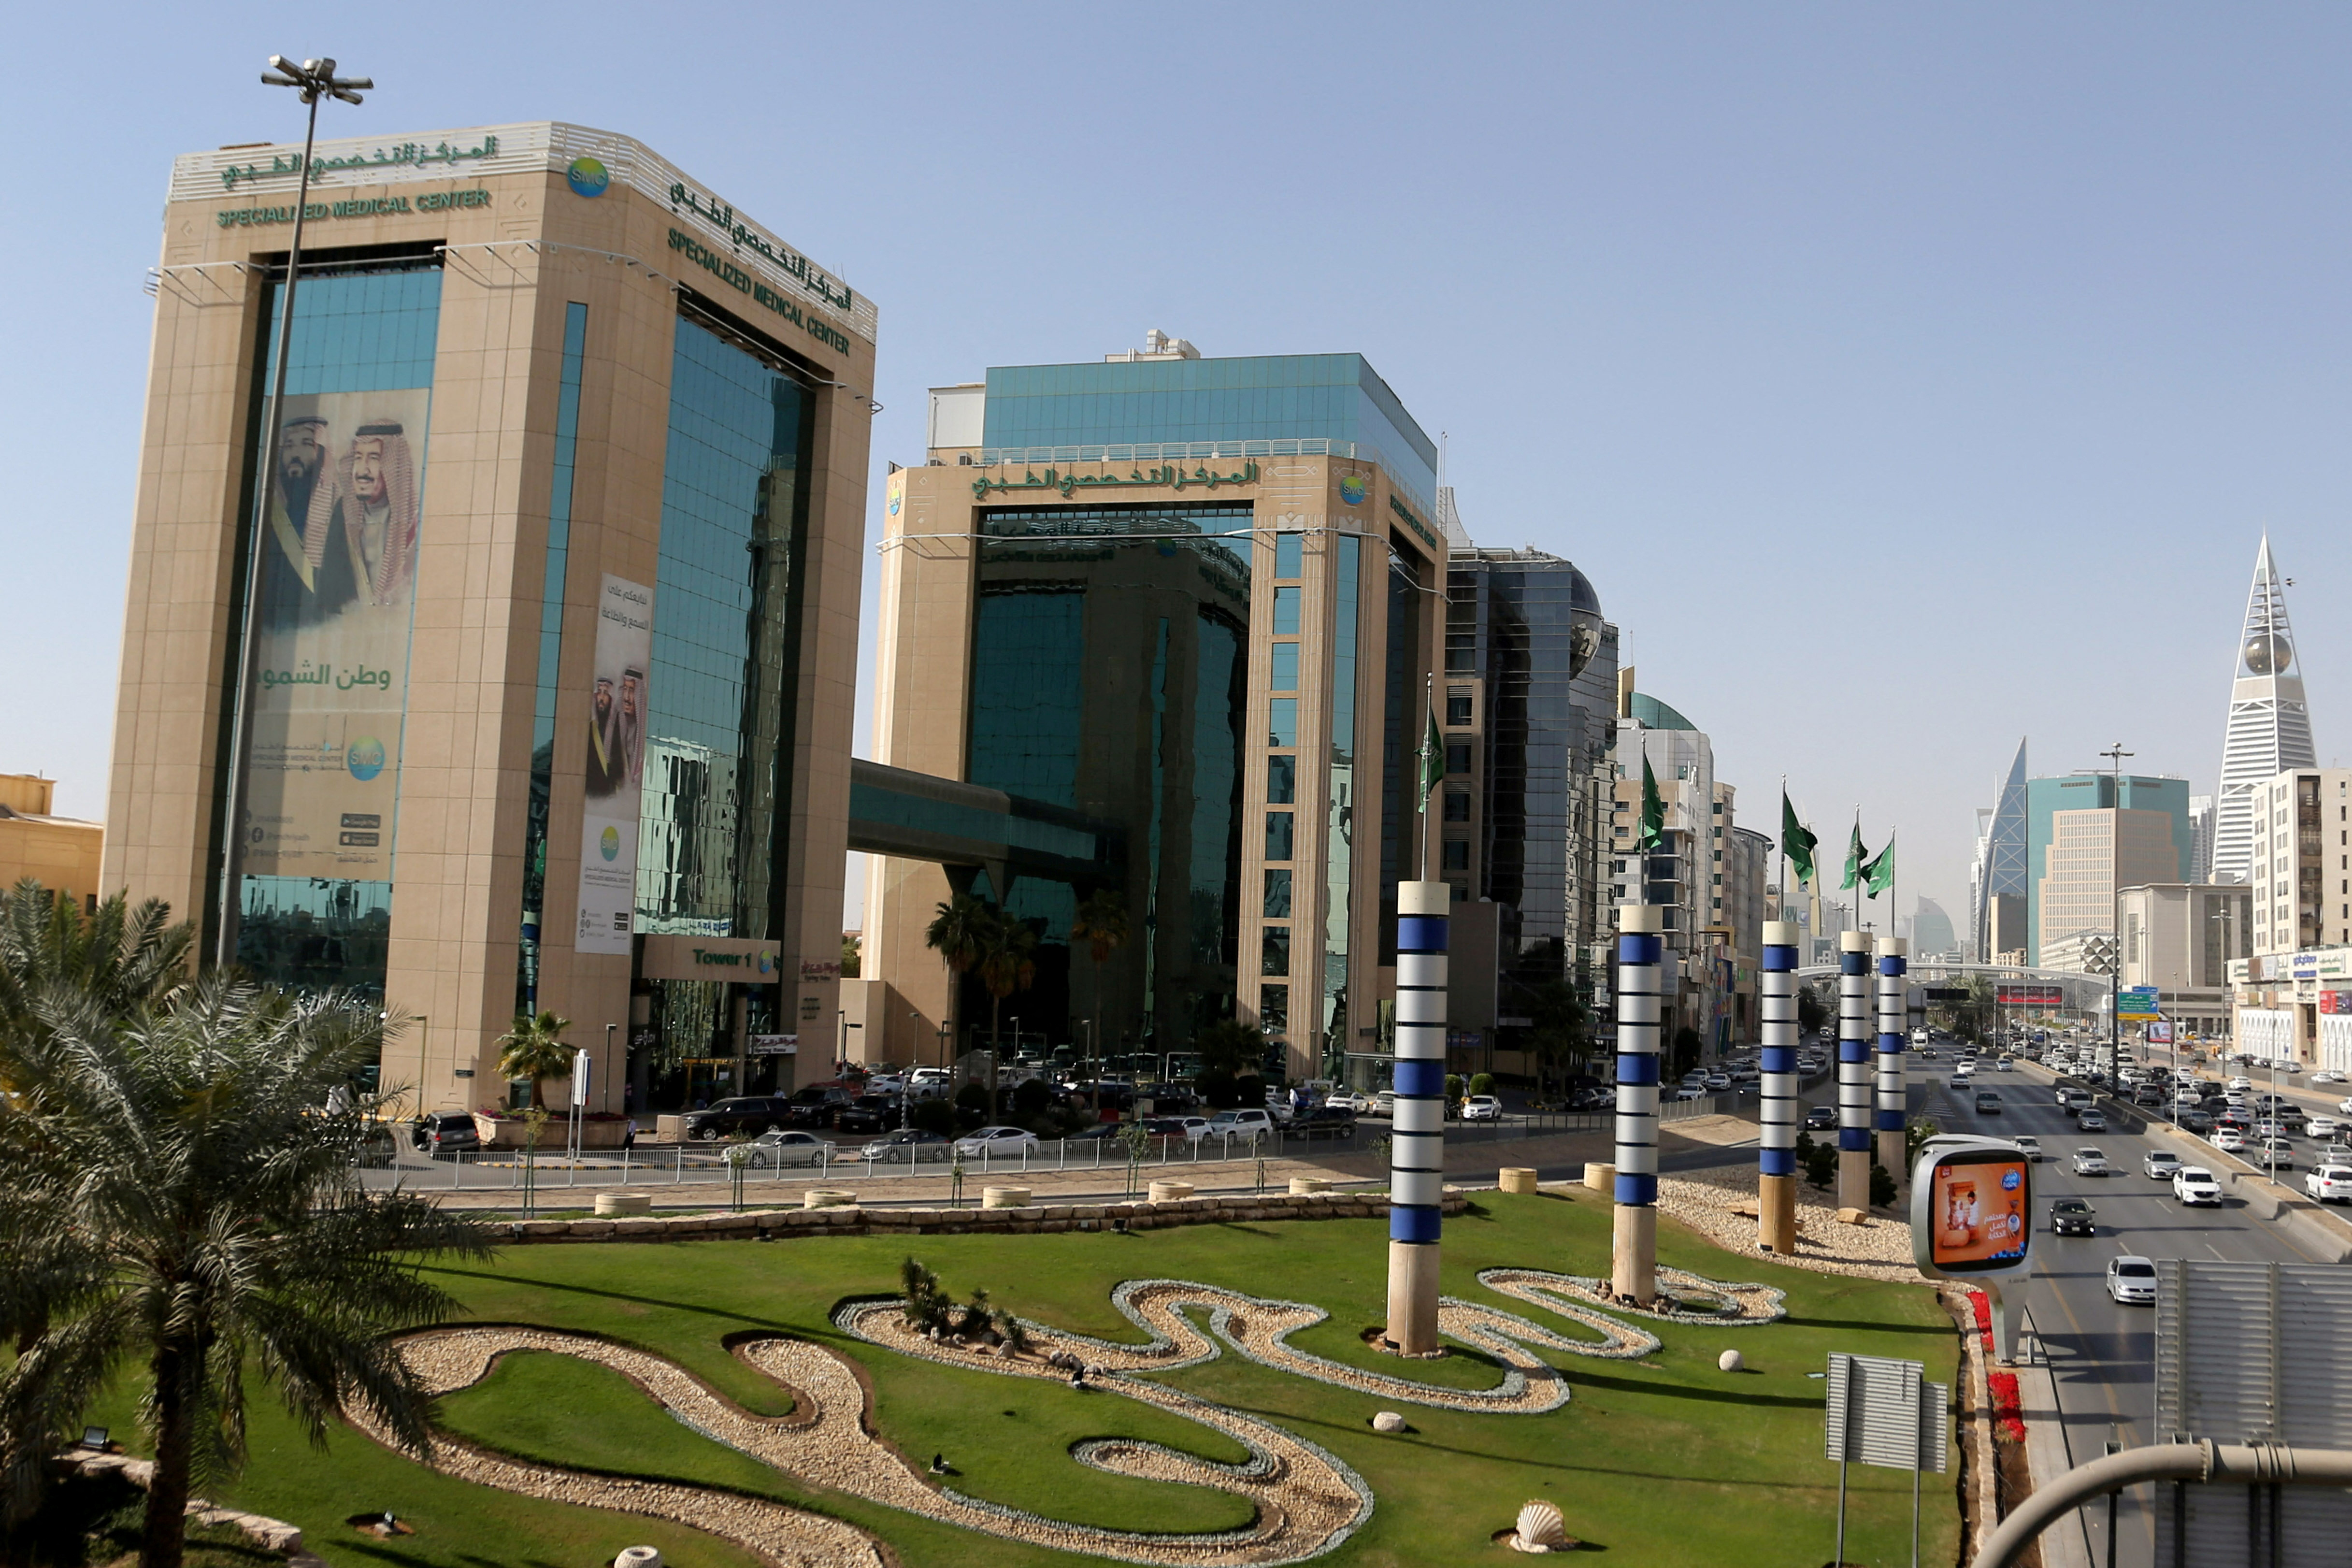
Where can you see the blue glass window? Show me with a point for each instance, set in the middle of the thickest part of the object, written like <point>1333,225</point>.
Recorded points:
<point>1281,779</point>
<point>1282,722</point>
<point>1274,951</point>
<point>1277,835</point>
<point>551,654</point>
<point>1287,554</point>
<point>1284,675</point>
<point>1286,608</point>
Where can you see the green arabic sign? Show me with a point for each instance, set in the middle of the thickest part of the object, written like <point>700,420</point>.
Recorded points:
<point>735,277</point>
<point>721,216</point>
<point>362,206</point>
<point>407,155</point>
<point>1406,513</point>
<point>1168,476</point>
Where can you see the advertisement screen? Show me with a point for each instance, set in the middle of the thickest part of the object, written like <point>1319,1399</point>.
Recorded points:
<point>616,767</point>
<point>2029,996</point>
<point>1977,1215</point>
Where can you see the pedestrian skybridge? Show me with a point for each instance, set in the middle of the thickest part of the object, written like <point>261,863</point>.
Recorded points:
<point>970,827</point>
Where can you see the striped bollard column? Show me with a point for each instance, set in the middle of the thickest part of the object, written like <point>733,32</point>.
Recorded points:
<point>1853,1069</point>
<point>1633,1268</point>
<point>1417,1147</point>
<point>1776,1154</point>
<point>1892,1017</point>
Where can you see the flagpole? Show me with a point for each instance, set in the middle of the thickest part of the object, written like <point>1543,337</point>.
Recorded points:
<point>1430,698</point>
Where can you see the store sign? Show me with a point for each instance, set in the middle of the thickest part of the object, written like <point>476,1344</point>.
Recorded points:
<point>2030,996</point>
<point>775,1044</point>
<point>1415,524</point>
<point>408,154</point>
<point>1167,476</point>
<point>820,968</point>
<point>2335,1003</point>
<point>745,961</point>
<point>743,237</point>
<point>357,207</point>
<point>742,282</point>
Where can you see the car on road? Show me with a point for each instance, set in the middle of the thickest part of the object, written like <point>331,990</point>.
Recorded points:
<point>2031,1147</point>
<point>2131,1280</point>
<point>1822,1119</point>
<point>1324,1122</point>
<point>1477,1107</point>
<point>2344,1105</point>
<point>2091,1120</point>
<point>2329,1184</point>
<point>2228,1140</point>
<point>2074,1100</point>
<point>2159,1164</point>
<point>1192,1128</point>
<point>1988,1103</point>
<point>1384,1103</point>
<point>2195,1122</point>
<point>781,1149</point>
<point>445,1132</point>
<point>2072,1216</point>
<point>1346,1099</point>
<point>996,1142</point>
<point>2326,1076</point>
<point>1250,1124</point>
<point>2271,1154</point>
<point>912,1145</point>
<point>2090,1162</point>
<point>2006,1063</point>
<point>742,1113</point>
<point>1688,1091</point>
<point>2194,1185</point>
<point>2323,1127</point>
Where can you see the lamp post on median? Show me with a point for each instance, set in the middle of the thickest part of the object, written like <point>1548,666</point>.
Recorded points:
<point>313,80</point>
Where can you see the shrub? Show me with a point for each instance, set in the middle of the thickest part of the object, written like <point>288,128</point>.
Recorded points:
<point>1820,1160</point>
<point>1482,1083</point>
<point>1454,1089</point>
<point>1882,1186</point>
<point>1031,1099</point>
<point>933,1116</point>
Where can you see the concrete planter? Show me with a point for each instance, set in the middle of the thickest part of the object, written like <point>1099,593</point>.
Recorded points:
<point>1308,1186</point>
<point>610,1204</point>
<point>1517,1179</point>
<point>827,1198</point>
<point>1004,1198</point>
<point>1170,1191</point>
<point>1601,1178</point>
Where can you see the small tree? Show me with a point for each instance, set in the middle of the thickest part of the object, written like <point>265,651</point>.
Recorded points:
<point>1231,1046</point>
<point>1882,1186</point>
<point>534,1049</point>
<point>1453,1092</point>
<point>1819,1161</point>
<point>1482,1083</point>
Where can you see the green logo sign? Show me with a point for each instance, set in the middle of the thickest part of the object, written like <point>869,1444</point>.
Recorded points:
<point>588,177</point>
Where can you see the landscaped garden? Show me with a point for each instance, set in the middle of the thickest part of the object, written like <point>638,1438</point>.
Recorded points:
<point>1655,1456</point>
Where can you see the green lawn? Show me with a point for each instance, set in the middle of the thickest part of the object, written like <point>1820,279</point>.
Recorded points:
<point>1663,1461</point>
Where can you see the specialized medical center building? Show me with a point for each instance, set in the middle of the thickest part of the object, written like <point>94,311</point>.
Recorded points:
<point>552,596</point>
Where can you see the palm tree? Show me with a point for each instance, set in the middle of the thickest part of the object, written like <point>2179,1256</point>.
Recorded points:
<point>1101,923</point>
<point>959,932</point>
<point>182,1199</point>
<point>117,958</point>
<point>534,1049</point>
<point>1008,963</point>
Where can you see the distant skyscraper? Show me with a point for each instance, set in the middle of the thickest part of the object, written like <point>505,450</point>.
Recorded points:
<point>2270,728</point>
<point>1931,932</point>
<point>2201,831</point>
<point>2000,868</point>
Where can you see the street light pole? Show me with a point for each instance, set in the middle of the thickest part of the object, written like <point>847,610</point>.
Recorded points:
<point>313,80</point>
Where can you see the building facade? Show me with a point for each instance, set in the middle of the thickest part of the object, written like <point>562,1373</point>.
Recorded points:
<point>1997,893</point>
<point>64,854</point>
<point>1683,874</point>
<point>2181,938</point>
<point>2088,835</point>
<point>2299,869</point>
<point>547,696</point>
<point>2269,728</point>
<point>1200,601</point>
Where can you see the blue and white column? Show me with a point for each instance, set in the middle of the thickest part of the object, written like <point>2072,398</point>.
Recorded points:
<point>1776,1152</point>
<point>1417,1149</point>
<point>1894,1016</point>
<point>1641,950</point>
<point>1853,1073</point>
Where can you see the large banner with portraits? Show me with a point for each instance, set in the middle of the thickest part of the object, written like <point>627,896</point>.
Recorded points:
<point>337,592</point>
<point>616,767</point>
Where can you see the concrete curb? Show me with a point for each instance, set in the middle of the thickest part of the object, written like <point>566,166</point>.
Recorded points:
<point>2317,1230</point>
<point>1039,1219</point>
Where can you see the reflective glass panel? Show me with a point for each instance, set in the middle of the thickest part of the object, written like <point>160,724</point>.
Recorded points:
<point>1277,894</point>
<point>1277,835</point>
<point>1274,951</point>
<point>1285,609</point>
<point>1288,556</point>
<point>1282,722</point>
<point>1281,779</point>
<point>1283,673</point>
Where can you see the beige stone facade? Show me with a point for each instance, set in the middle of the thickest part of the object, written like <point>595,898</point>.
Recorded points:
<point>61,853</point>
<point>930,576</point>
<point>526,220</point>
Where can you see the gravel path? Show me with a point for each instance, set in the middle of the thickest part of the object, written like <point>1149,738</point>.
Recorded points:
<point>1707,1201</point>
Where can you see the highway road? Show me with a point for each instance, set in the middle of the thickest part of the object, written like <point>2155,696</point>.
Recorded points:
<point>2102,1354</point>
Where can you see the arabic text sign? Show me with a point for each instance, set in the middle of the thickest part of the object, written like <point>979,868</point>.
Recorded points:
<point>1165,476</point>
<point>2137,1002</point>
<point>407,155</point>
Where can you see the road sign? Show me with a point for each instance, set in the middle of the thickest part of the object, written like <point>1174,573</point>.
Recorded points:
<point>1884,1412</point>
<point>1945,996</point>
<point>2136,1002</point>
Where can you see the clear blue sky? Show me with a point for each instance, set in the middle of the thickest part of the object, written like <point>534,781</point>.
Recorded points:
<point>1907,379</point>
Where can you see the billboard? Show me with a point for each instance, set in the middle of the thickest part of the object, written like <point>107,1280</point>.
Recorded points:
<point>1971,1208</point>
<point>2136,1002</point>
<point>2030,996</point>
<point>619,700</point>
<point>337,591</point>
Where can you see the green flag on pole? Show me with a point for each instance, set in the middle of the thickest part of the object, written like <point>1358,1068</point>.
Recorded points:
<point>1654,811</point>
<point>1432,761</point>
<point>1796,843</point>
<point>1854,856</point>
<point>1879,875</point>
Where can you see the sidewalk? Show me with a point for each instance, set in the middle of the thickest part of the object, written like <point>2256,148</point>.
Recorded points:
<point>2066,1543</point>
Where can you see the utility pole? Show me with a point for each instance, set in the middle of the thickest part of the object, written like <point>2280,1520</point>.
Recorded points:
<point>2116,755</point>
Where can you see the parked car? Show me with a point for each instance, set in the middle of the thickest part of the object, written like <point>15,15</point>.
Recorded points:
<point>1384,1103</point>
<point>1347,1100</point>
<point>2092,1162</point>
<point>2031,1147</point>
<point>2329,1184</point>
<point>1248,1124</point>
<point>1324,1122</point>
<point>998,1142</point>
<point>2091,1120</point>
<point>742,1113</point>
<point>2194,1185</point>
<point>1477,1107</point>
<point>2131,1280</point>
<point>2072,1216</point>
<point>2159,1164</point>
<point>869,1113</point>
<point>1191,1129</point>
<point>780,1148</point>
<point>442,1133</point>
<point>1822,1119</point>
<point>912,1145</point>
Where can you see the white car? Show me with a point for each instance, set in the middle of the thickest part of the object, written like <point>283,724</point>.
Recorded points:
<point>2323,1127</point>
<point>2090,1162</point>
<point>1346,1099</point>
<point>1252,1125</point>
<point>2241,1084</point>
<point>1482,1108</point>
<point>2325,1076</point>
<point>1384,1103</point>
<point>2159,1164</point>
<point>1690,1091</point>
<point>2329,1184</point>
<point>2344,1105</point>
<point>1718,1081</point>
<point>2228,1140</point>
<point>786,1149</point>
<point>2031,1147</point>
<point>2006,1063</point>
<point>2195,1187</point>
<point>996,1142</point>
<point>2131,1280</point>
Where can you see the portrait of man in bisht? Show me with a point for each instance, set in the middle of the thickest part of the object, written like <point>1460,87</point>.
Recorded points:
<point>607,765</point>
<point>360,535</point>
<point>633,726</point>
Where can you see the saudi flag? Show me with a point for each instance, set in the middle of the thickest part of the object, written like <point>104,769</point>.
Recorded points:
<point>1879,875</point>
<point>1854,856</point>
<point>1654,810</point>
<point>1796,843</point>
<point>1432,761</point>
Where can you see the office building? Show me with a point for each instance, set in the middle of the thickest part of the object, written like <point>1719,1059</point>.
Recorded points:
<point>2301,862</point>
<point>2201,836</point>
<point>1931,932</point>
<point>1997,883</point>
<point>2180,938</point>
<point>553,647</point>
<point>61,853</point>
<point>1193,606</point>
<point>1681,874</point>
<point>2088,835</point>
<point>2269,728</point>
